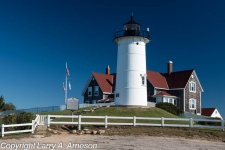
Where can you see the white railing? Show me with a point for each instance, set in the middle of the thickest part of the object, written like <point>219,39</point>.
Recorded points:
<point>42,119</point>
<point>135,121</point>
<point>33,125</point>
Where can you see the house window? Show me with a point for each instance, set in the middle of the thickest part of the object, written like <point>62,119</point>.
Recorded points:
<point>143,79</point>
<point>192,103</point>
<point>175,102</point>
<point>168,100</point>
<point>192,86</point>
<point>89,91</point>
<point>96,90</point>
<point>158,99</point>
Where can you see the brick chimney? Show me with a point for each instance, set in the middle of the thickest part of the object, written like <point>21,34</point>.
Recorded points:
<point>107,70</point>
<point>170,67</point>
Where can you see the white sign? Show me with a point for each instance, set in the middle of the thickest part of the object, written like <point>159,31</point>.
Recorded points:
<point>72,104</point>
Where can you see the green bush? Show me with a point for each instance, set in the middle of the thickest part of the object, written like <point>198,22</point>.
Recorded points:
<point>9,119</point>
<point>211,123</point>
<point>24,117</point>
<point>170,108</point>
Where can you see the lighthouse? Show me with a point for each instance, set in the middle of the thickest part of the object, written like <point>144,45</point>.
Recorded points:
<point>131,82</point>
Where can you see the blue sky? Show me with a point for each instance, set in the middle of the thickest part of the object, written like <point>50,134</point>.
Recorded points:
<point>38,37</point>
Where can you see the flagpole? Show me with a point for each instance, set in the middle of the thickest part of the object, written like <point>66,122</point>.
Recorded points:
<point>66,86</point>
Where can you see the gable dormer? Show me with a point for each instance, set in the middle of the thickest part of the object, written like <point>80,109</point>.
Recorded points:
<point>194,83</point>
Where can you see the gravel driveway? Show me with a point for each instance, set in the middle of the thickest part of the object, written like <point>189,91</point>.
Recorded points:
<point>70,141</point>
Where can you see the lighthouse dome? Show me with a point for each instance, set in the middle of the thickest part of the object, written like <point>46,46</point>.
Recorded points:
<point>131,24</point>
<point>131,29</point>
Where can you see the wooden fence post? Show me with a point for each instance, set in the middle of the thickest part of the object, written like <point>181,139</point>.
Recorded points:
<point>191,122</point>
<point>162,121</point>
<point>2,130</point>
<point>106,121</point>
<point>134,121</point>
<point>79,122</point>
<point>33,126</point>
<point>48,120</point>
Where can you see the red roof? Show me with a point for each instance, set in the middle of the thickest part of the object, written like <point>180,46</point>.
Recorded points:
<point>105,81</point>
<point>162,93</point>
<point>207,111</point>
<point>178,79</point>
<point>157,79</point>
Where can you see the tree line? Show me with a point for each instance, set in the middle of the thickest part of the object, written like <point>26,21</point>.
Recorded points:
<point>6,106</point>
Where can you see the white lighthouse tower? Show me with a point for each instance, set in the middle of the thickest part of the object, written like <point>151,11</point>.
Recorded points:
<point>131,84</point>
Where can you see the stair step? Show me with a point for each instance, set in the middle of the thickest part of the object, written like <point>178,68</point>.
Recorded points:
<point>41,128</point>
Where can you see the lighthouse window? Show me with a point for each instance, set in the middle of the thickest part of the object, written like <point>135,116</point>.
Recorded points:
<point>143,79</point>
<point>117,95</point>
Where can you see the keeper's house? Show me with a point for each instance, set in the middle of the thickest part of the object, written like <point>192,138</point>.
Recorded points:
<point>181,88</point>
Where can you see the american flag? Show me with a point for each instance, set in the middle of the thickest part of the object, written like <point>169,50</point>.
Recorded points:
<point>67,71</point>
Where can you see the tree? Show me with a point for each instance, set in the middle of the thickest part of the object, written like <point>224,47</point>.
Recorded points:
<point>9,106</point>
<point>2,103</point>
<point>6,106</point>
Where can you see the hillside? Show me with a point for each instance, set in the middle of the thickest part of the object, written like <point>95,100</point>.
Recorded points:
<point>119,111</point>
<point>127,111</point>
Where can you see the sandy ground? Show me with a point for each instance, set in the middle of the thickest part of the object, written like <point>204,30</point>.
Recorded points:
<point>70,141</point>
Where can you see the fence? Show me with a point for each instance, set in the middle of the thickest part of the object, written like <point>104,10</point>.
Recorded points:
<point>135,121</point>
<point>33,125</point>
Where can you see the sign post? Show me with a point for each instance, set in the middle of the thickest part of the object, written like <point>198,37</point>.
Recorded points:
<point>72,104</point>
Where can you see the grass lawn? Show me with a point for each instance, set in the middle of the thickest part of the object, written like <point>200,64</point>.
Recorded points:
<point>122,112</point>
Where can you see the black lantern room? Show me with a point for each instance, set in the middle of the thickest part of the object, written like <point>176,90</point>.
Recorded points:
<point>131,28</point>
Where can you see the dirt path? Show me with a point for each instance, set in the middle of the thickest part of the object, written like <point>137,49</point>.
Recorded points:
<point>70,141</point>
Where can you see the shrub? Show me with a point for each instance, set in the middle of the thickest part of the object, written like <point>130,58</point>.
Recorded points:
<point>24,117</point>
<point>21,118</point>
<point>170,108</point>
<point>210,123</point>
<point>9,119</point>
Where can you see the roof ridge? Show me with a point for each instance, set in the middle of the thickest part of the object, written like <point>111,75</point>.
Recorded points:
<point>173,71</point>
